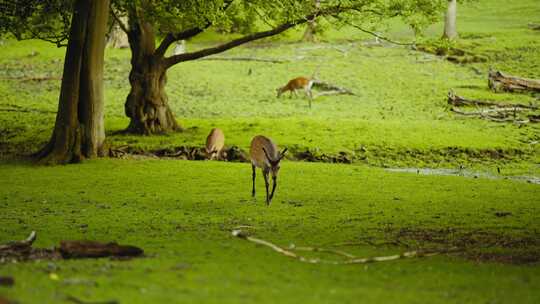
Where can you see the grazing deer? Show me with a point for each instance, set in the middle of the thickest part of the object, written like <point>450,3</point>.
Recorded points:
<point>296,84</point>
<point>214,143</point>
<point>265,155</point>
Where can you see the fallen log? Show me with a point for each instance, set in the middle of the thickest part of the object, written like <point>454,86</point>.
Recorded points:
<point>93,249</point>
<point>498,81</point>
<point>23,250</point>
<point>456,100</point>
<point>325,86</point>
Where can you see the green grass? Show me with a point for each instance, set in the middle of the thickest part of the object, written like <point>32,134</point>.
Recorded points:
<point>400,104</point>
<point>182,214</point>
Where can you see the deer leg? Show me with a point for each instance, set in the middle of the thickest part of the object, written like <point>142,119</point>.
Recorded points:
<point>253,177</point>
<point>266,184</point>
<point>274,184</point>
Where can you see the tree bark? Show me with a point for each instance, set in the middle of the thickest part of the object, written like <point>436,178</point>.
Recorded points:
<point>498,81</point>
<point>147,103</point>
<point>79,129</point>
<point>450,31</point>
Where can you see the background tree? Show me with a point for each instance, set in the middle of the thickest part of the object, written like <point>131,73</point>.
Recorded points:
<point>79,129</point>
<point>312,26</point>
<point>450,31</point>
<point>147,103</point>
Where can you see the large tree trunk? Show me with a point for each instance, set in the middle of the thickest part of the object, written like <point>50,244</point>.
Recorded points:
<point>147,104</point>
<point>450,31</point>
<point>79,130</point>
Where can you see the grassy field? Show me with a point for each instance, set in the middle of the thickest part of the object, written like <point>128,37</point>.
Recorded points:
<point>182,212</point>
<point>400,108</point>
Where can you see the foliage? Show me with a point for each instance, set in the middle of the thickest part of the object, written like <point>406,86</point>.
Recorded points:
<point>48,20</point>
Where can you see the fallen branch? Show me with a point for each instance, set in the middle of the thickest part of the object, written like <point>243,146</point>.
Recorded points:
<point>459,101</point>
<point>501,117</point>
<point>19,245</point>
<point>498,81</point>
<point>350,259</point>
<point>23,250</point>
<point>270,60</point>
<point>319,84</point>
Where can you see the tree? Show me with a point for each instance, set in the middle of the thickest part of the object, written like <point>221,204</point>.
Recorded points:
<point>450,31</point>
<point>147,103</point>
<point>79,129</point>
<point>311,27</point>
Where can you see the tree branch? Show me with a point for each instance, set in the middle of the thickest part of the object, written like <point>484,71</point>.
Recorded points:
<point>377,35</point>
<point>120,24</point>
<point>170,38</point>
<point>170,61</point>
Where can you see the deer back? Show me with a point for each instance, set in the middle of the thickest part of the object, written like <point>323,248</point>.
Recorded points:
<point>257,154</point>
<point>215,141</point>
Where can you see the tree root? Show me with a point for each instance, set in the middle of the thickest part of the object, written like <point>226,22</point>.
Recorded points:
<point>349,258</point>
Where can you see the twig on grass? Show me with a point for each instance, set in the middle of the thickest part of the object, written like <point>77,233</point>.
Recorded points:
<point>351,259</point>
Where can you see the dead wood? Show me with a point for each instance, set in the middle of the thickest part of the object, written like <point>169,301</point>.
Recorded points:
<point>93,249</point>
<point>23,245</point>
<point>498,116</point>
<point>459,101</point>
<point>334,89</point>
<point>23,250</point>
<point>498,81</point>
<point>349,258</point>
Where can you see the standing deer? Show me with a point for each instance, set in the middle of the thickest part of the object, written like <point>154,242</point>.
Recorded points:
<point>214,143</point>
<point>265,155</point>
<point>296,84</point>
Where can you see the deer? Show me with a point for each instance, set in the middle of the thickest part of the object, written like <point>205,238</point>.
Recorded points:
<point>264,154</point>
<point>296,84</point>
<point>214,143</point>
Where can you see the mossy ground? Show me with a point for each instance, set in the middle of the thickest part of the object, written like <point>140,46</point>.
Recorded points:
<point>182,212</point>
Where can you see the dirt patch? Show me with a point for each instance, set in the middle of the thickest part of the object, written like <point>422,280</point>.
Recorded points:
<point>478,245</point>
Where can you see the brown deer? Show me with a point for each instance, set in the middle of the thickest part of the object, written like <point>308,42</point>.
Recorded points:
<point>296,84</point>
<point>265,155</point>
<point>214,143</point>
